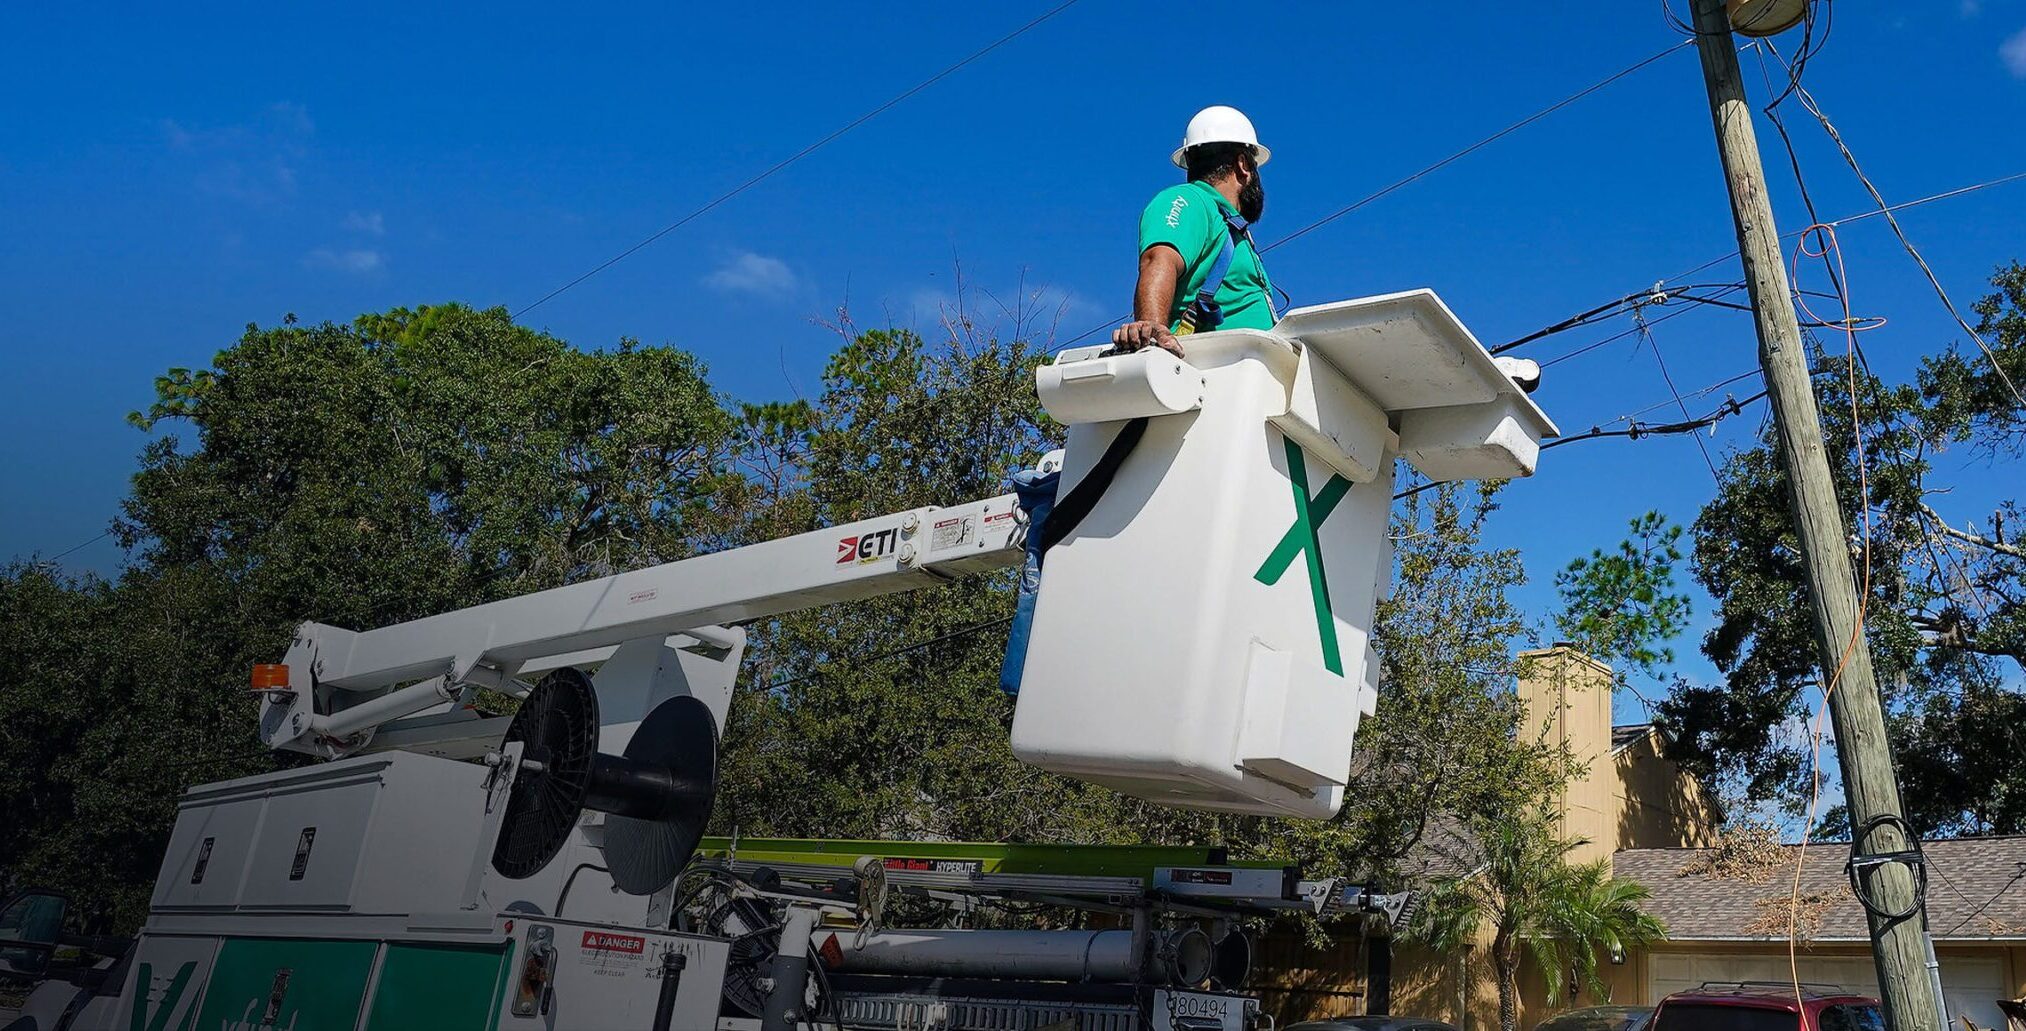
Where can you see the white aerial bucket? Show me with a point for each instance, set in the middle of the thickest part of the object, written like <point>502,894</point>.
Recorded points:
<point>1202,637</point>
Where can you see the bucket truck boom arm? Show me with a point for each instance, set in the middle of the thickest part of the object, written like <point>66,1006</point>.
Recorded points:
<point>343,685</point>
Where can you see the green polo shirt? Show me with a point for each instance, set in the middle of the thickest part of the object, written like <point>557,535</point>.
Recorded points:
<point>1188,218</point>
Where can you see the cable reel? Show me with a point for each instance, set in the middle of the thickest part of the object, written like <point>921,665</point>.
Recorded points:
<point>656,795</point>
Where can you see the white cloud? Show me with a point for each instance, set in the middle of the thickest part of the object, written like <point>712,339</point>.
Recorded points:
<point>253,162</point>
<point>357,261</point>
<point>179,138</point>
<point>746,272</point>
<point>291,118</point>
<point>2014,53</point>
<point>368,222</point>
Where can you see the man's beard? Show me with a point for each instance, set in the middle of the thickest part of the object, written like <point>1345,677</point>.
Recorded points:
<point>1252,200</point>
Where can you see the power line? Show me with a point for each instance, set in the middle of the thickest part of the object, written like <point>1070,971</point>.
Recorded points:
<point>1704,392</point>
<point>1638,430</point>
<point>1808,103</point>
<point>1714,300</point>
<point>799,155</point>
<point>1396,185</point>
<point>1654,345</point>
<point>73,549</point>
<point>1995,896</point>
<point>867,660</point>
<point>1634,432</point>
<point>1493,138</point>
<point>1612,308</point>
<point>1886,210</point>
<point>1639,300</point>
<point>1587,348</point>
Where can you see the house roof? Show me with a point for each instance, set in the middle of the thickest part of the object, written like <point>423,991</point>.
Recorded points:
<point>1976,890</point>
<point>1625,735</point>
<point>1446,849</point>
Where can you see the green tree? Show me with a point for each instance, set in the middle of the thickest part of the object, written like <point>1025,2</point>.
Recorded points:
<point>117,700</point>
<point>1622,607</point>
<point>1945,610</point>
<point>1442,743</point>
<point>1520,890</point>
<point>415,461</point>
<point>408,463</point>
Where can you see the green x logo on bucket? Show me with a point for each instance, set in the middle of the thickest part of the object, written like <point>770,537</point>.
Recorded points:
<point>1301,539</point>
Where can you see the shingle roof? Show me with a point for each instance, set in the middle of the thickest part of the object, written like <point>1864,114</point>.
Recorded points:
<point>1976,889</point>
<point>1446,849</point>
<point>1628,734</point>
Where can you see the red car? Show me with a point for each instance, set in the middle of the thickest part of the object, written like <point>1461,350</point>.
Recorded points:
<point>1767,1006</point>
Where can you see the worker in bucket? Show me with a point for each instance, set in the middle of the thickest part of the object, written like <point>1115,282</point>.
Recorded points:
<point>1199,269</point>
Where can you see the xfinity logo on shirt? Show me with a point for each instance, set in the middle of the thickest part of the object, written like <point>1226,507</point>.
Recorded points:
<point>1175,212</point>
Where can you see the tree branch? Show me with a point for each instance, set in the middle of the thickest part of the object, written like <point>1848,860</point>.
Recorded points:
<point>1988,544</point>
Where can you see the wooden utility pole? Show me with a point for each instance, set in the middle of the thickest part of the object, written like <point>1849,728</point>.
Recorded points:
<point>1871,789</point>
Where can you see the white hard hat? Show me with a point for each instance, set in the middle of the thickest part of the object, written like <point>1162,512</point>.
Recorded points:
<point>1220,124</point>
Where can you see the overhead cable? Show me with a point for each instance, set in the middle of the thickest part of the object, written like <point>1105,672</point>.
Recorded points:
<point>825,669</point>
<point>1493,138</point>
<point>1886,210</point>
<point>1646,334</point>
<point>73,549</point>
<point>1808,102</point>
<point>1397,184</point>
<point>1607,309</point>
<point>1636,431</point>
<point>1615,307</point>
<point>799,155</point>
<point>1662,429</point>
<point>1704,392</point>
<point>1587,348</point>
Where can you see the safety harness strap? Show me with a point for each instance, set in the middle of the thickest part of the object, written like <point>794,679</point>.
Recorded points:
<point>1208,315</point>
<point>1072,507</point>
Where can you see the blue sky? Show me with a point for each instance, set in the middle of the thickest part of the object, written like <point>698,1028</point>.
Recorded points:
<point>169,175</point>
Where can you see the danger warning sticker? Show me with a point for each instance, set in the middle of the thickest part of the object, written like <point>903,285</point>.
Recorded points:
<point>605,941</point>
<point>606,954</point>
<point>952,532</point>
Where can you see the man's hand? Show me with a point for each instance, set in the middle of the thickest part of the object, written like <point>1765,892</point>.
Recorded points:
<point>1135,335</point>
<point>1160,271</point>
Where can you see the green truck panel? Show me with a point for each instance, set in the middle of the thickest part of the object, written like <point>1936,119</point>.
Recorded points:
<point>438,986</point>
<point>288,984</point>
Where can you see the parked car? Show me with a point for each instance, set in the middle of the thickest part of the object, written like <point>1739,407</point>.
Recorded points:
<point>1374,1023</point>
<point>1767,1006</point>
<point>1599,1018</point>
<point>69,978</point>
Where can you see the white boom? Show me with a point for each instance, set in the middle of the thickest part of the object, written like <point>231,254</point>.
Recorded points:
<point>364,676</point>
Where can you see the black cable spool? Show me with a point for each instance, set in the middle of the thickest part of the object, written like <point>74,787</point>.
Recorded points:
<point>656,795</point>
<point>1862,861</point>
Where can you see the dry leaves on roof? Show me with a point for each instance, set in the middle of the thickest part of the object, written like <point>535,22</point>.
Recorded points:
<point>1997,928</point>
<point>1803,914</point>
<point>1748,852</point>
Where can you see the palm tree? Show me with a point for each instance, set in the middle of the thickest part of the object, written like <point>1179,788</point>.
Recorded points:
<point>1522,888</point>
